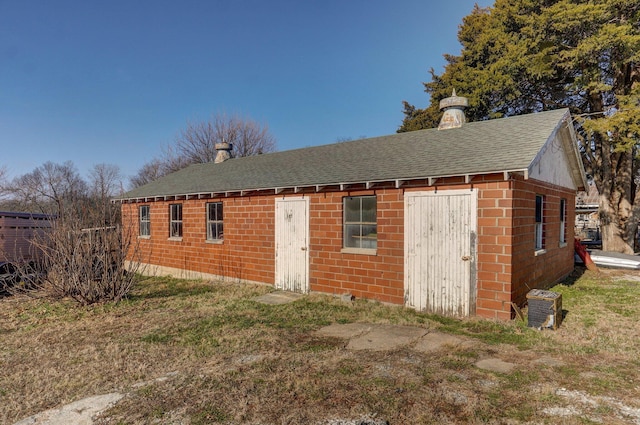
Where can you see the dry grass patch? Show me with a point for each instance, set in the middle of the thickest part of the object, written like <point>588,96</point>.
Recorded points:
<point>200,352</point>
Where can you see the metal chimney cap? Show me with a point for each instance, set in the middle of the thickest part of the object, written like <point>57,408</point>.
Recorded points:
<point>453,116</point>
<point>225,146</point>
<point>224,152</point>
<point>454,101</point>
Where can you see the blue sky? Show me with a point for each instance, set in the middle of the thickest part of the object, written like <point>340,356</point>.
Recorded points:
<point>114,81</point>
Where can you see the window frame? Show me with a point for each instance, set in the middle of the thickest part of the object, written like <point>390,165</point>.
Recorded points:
<point>539,239</point>
<point>217,223</point>
<point>366,243</point>
<point>175,221</point>
<point>563,222</point>
<point>144,221</point>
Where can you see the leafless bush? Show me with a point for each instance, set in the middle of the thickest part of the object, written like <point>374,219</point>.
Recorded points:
<point>86,264</point>
<point>82,254</point>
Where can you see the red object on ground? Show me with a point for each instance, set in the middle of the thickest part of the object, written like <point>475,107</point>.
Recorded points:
<point>584,255</point>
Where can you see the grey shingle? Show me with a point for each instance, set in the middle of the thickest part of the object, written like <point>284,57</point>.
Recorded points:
<point>475,148</point>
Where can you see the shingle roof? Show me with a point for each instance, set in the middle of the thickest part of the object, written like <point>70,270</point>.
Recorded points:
<point>507,144</point>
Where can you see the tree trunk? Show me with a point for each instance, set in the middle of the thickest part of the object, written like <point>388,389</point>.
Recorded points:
<point>616,236</point>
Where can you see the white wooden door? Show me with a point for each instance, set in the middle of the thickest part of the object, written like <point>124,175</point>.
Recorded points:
<point>440,251</point>
<point>292,244</point>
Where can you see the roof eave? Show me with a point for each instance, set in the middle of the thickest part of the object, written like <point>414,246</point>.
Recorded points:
<point>575,159</point>
<point>368,184</point>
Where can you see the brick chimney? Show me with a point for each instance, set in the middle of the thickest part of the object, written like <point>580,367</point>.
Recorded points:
<point>453,107</point>
<point>223,152</point>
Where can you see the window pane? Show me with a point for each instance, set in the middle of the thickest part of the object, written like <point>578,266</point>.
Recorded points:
<point>538,209</point>
<point>369,237</point>
<point>176,212</point>
<point>144,212</point>
<point>145,227</point>
<point>369,209</point>
<point>369,232</point>
<point>352,210</point>
<point>563,213</point>
<point>352,236</point>
<point>176,229</point>
<point>360,230</point>
<point>538,235</point>
<point>215,211</point>
<point>214,221</point>
<point>214,230</point>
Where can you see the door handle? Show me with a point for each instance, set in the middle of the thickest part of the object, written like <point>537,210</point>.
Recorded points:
<point>304,248</point>
<point>466,258</point>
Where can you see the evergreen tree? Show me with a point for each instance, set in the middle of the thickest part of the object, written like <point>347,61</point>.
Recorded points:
<point>523,56</point>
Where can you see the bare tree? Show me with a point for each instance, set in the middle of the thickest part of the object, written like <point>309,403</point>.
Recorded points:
<point>196,144</point>
<point>105,181</point>
<point>3,177</point>
<point>149,172</point>
<point>50,188</point>
<point>4,192</point>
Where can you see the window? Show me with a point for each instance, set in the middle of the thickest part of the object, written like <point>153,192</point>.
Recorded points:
<point>214,221</point>
<point>563,221</point>
<point>539,231</point>
<point>360,229</point>
<point>145,220</point>
<point>175,220</point>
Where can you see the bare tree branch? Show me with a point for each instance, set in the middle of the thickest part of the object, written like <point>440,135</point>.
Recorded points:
<point>196,144</point>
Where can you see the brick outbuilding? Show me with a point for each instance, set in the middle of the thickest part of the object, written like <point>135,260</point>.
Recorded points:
<point>462,221</point>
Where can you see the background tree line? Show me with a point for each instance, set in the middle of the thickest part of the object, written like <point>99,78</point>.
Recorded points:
<point>59,189</point>
<point>88,254</point>
<point>523,56</point>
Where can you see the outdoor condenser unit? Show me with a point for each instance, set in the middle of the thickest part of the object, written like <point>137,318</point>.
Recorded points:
<point>545,309</point>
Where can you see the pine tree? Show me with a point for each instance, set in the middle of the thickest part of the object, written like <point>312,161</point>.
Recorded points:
<point>523,56</point>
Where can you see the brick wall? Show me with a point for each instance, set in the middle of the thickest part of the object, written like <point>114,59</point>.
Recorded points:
<point>247,252</point>
<point>556,260</point>
<point>378,276</point>
<point>495,251</point>
<point>507,266</point>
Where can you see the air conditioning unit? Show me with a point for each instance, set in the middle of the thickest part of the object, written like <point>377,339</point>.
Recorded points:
<point>545,309</point>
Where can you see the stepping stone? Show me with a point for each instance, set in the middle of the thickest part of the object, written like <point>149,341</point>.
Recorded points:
<point>549,361</point>
<point>495,365</point>
<point>278,297</point>
<point>434,341</point>
<point>345,331</point>
<point>79,412</point>
<point>386,337</point>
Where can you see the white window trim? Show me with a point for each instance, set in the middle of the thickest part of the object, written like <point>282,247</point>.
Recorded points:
<point>209,237</point>
<point>171,221</point>
<point>563,223</point>
<point>539,226</point>
<point>364,251</point>
<point>140,221</point>
<point>357,250</point>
